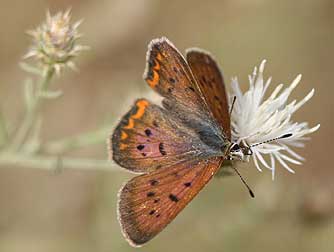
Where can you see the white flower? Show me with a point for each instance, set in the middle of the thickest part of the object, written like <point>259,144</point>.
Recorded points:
<point>256,120</point>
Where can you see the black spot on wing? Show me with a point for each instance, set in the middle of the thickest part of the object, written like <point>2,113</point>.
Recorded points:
<point>162,150</point>
<point>189,88</point>
<point>154,182</point>
<point>173,198</point>
<point>148,132</point>
<point>187,184</point>
<point>172,80</point>
<point>155,124</point>
<point>140,147</point>
<point>150,194</point>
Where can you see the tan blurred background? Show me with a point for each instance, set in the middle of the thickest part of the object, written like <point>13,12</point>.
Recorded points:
<point>76,210</point>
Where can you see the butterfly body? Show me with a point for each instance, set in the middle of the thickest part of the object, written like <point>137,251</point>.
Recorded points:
<point>177,147</point>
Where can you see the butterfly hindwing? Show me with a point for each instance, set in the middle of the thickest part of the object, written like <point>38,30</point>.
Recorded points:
<point>149,202</point>
<point>211,82</point>
<point>148,138</point>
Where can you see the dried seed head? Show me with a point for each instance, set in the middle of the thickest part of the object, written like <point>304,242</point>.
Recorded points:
<point>55,41</point>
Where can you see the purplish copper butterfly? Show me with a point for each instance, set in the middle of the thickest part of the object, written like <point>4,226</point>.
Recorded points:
<point>179,146</point>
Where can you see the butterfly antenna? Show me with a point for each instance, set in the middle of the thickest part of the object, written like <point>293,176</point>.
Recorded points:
<point>273,139</point>
<point>233,101</point>
<point>245,183</point>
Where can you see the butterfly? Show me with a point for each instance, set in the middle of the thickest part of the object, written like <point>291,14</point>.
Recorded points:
<point>176,147</point>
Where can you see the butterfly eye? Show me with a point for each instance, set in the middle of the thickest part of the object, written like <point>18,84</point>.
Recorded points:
<point>248,152</point>
<point>235,148</point>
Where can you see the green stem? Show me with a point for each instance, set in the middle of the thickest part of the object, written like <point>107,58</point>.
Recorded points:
<point>76,142</point>
<point>32,114</point>
<point>3,131</point>
<point>55,163</point>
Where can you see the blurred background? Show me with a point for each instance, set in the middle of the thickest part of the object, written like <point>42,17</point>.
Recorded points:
<point>76,210</point>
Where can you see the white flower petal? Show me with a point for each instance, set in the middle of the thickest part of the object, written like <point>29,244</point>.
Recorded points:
<point>262,65</point>
<point>303,101</point>
<point>272,161</point>
<point>292,153</point>
<point>256,163</point>
<point>259,156</point>
<point>291,160</point>
<point>277,156</point>
<point>257,120</point>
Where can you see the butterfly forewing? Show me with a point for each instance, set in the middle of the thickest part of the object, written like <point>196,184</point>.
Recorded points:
<point>147,138</point>
<point>168,73</point>
<point>211,83</point>
<point>149,202</point>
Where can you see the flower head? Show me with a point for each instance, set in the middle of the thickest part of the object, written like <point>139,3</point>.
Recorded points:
<point>256,120</point>
<point>55,41</point>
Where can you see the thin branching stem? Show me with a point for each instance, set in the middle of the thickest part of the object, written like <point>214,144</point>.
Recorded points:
<point>32,113</point>
<point>54,47</point>
<point>4,136</point>
<point>76,142</point>
<point>55,163</point>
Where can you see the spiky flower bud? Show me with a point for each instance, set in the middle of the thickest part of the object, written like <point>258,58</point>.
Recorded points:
<point>55,41</point>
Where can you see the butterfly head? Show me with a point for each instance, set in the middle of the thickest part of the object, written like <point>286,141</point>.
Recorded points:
<point>242,151</point>
<point>239,152</point>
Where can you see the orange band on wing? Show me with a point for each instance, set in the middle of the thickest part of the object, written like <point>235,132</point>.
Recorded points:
<point>159,56</point>
<point>130,125</point>
<point>142,104</point>
<point>157,65</point>
<point>122,146</point>
<point>124,135</point>
<point>155,79</point>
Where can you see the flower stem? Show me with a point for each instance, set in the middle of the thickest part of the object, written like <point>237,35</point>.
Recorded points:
<point>3,131</point>
<point>76,142</point>
<point>32,113</point>
<point>55,163</point>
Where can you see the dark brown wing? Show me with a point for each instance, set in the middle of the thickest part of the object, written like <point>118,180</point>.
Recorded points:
<point>168,73</point>
<point>149,202</point>
<point>211,82</point>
